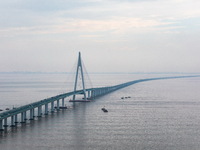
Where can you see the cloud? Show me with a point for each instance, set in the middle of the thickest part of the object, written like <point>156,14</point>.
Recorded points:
<point>134,30</point>
<point>35,14</point>
<point>117,25</point>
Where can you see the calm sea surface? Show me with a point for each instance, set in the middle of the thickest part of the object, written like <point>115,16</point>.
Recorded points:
<point>160,115</point>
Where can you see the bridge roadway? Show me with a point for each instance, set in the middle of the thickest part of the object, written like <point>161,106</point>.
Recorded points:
<point>92,93</point>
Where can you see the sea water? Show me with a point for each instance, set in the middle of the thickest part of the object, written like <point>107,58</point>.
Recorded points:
<point>159,115</point>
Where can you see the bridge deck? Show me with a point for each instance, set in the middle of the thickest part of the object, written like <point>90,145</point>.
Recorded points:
<point>96,92</point>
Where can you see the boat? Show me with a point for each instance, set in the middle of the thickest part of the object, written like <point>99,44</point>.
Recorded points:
<point>1,109</point>
<point>104,110</point>
<point>63,107</point>
<point>7,108</point>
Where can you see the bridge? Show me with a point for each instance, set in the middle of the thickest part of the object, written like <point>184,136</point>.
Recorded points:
<point>46,106</point>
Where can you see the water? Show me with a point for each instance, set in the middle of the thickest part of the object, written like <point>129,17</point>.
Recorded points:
<point>160,115</point>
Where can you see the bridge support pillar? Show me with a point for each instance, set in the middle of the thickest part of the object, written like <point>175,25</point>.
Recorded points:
<point>39,111</point>
<point>5,122</point>
<point>22,118</point>
<point>92,94</point>
<point>89,94</point>
<point>31,114</point>
<point>58,106</point>
<point>25,116</point>
<point>52,107</point>
<point>12,122</point>
<point>1,125</point>
<point>16,121</point>
<point>63,102</point>
<point>46,109</point>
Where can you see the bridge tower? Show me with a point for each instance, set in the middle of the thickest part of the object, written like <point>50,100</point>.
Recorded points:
<point>79,68</point>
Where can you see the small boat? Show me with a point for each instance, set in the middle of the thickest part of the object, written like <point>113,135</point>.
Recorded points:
<point>104,110</point>
<point>1,109</point>
<point>63,107</point>
<point>7,108</point>
<point>122,97</point>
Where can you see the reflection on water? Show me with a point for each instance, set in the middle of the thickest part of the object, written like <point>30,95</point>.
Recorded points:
<point>159,115</point>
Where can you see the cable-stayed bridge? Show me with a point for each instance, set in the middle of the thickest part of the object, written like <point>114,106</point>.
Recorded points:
<point>47,106</point>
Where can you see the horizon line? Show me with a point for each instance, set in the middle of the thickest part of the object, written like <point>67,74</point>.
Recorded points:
<point>59,72</point>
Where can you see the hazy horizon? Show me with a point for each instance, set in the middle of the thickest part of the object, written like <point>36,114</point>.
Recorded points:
<point>56,72</point>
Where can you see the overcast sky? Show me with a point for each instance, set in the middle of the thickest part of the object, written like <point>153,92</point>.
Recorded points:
<point>112,35</point>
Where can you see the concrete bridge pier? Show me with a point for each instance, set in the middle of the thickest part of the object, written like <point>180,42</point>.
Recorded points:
<point>25,116</point>
<point>12,122</point>
<point>31,114</point>
<point>46,109</point>
<point>63,102</point>
<point>101,92</point>
<point>39,111</point>
<point>92,94</point>
<point>5,122</point>
<point>1,125</point>
<point>106,90</point>
<point>52,107</point>
<point>96,93</point>
<point>58,105</point>
<point>16,121</point>
<point>22,118</point>
<point>89,94</point>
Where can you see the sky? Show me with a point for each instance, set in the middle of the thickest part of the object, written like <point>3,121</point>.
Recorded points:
<point>112,35</point>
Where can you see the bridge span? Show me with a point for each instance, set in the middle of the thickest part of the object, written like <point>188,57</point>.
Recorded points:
<point>42,106</point>
<point>46,106</point>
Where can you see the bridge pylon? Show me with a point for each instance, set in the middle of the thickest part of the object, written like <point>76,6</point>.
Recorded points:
<point>83,90</point>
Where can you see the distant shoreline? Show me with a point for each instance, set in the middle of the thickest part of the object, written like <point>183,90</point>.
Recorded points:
<point>24,72</point>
